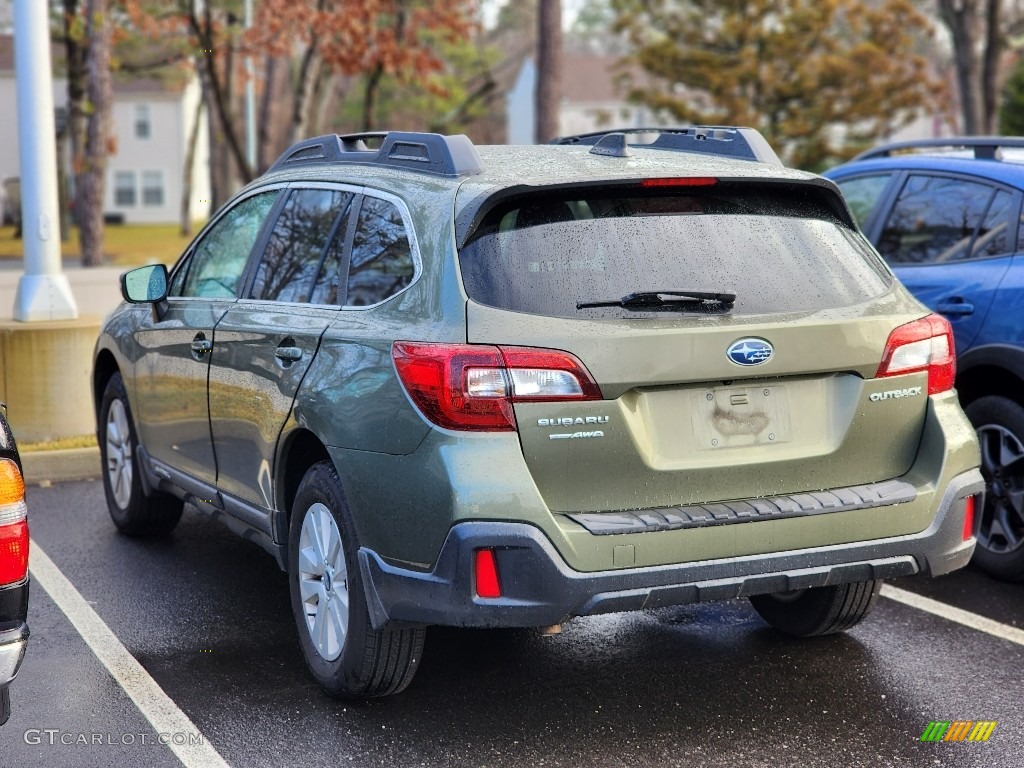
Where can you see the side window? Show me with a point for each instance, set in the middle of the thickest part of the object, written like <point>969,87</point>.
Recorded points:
<point>863,195</point>
<point>328,280</point>
<point>298,243</point>
<point>934,220</point>
<point>993,238</point>
<point>381,263</point>
<point>218,261</point>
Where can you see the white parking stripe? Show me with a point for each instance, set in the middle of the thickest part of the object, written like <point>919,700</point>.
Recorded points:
<point>157,707</point>
<point>968,619</point>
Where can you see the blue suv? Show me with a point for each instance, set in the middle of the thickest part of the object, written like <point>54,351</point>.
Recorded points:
<point>945,214</point>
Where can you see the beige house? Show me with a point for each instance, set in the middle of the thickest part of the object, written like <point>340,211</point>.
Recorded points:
<point>151,125</point>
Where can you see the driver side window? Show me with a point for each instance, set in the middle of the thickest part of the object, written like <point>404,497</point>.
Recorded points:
<point>218,261</point>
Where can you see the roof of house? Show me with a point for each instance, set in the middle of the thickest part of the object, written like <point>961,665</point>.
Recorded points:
<point>593,77</point>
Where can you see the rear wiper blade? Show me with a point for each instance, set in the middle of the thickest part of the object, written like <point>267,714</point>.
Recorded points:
<point>654,299</point>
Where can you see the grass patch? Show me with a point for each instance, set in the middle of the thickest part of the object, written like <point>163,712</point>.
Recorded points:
<point>123,244</point>
<point>60,444</point>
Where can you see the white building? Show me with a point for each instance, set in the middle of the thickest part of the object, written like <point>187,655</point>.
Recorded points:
<point>151,124</point>
<point>592,99</point>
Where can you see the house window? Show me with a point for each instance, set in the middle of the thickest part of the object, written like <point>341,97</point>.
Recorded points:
<point>142,123</point>
<point>124,189</point>
<point>152,188</point>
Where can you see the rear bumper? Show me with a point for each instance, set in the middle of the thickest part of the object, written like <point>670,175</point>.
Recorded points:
<point>13,641</point>
<point>540,589</point>
<point>13,629</point>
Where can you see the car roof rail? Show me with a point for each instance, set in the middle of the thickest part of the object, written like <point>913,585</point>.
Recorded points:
<point>412,151</point>
<point>985,147</point>
<point>722,140</point>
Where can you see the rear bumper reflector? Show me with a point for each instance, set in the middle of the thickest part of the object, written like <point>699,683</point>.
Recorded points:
<point>748,510</point>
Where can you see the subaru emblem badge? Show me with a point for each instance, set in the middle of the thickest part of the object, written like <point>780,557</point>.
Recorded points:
<point>750,351</point>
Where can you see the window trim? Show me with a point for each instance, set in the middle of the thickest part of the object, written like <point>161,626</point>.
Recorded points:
<point>1014,214</point>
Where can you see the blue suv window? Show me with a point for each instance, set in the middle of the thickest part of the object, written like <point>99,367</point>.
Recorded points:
<point>863,194</point>
<point>939,219</point>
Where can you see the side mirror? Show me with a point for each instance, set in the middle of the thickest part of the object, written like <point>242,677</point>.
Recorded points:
<point>145,285</point>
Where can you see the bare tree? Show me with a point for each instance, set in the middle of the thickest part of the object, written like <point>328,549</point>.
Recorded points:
<point>977,29</point>
<point>99,95</point>
<point>549,68</point>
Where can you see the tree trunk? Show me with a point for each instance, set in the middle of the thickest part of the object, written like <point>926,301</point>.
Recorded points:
<point>994,41</point>
<point>960,17</point>
<point>549,69</point>
<point>305,85</point>
<point>263,127</point>
<point>190,161</point>
<point>99,92</point>
<point>370,98</point>
<point>219,90</point>
<point>74,54</point>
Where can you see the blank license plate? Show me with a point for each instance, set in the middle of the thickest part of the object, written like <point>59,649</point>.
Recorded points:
<point>733,417</point>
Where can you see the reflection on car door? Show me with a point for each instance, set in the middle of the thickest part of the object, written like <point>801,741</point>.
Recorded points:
<point>171,401</point>
<point>267,340</point>
<point>950,241</point>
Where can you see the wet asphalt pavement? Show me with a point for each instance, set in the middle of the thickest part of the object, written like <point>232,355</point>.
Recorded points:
<point>207,615</point>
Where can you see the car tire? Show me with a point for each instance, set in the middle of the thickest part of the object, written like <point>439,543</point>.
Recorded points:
<point>133,511</point>
<point>344,653</point>
<point>817,610</point>
<point>999,524</point>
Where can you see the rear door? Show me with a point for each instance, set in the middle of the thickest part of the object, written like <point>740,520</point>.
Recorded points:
<point>702,401</point>
<point>950,240</point>
<point>266,342</point>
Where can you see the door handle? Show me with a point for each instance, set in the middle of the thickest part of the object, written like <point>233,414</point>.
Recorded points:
<point>955,307</point>
<point>288,354</point>
<point>201,346</point>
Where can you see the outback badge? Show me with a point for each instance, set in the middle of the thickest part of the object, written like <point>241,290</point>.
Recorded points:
<point>750,351</point>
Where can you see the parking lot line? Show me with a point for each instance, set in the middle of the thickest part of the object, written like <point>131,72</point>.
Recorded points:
<point>157,707</point>
<point>960,616</point>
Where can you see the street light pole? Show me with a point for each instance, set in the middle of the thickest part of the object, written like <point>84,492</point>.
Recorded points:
<point>43,290</point>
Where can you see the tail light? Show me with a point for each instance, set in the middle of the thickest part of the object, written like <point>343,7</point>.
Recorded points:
<point>13,524</point>
<point>472,387</point>
<point>682,181</point>
<point>968,518</point>
<point>923,345</point>
<point>485,568</point>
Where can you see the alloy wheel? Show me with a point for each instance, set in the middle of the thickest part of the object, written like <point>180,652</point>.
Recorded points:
<point>119,454</point>
<point>323,581</point>
<point>1000,528</point>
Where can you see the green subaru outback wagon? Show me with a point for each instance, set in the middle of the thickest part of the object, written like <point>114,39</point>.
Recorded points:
<point>505,386</point>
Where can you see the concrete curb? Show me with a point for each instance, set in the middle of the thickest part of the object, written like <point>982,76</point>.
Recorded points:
<point>61,466</point>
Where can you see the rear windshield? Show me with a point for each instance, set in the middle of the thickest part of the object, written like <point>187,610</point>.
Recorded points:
<point>776,250</point>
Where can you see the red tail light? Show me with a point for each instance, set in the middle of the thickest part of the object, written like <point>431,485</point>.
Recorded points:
<point>923,345</point>
<point>13,524</point>
<point>486,574</point>
<point>686,181</point>
<point>968,518</point>
<point>472,387</point>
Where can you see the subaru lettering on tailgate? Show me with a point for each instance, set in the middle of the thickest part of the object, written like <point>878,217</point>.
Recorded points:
<point>750,351</point>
